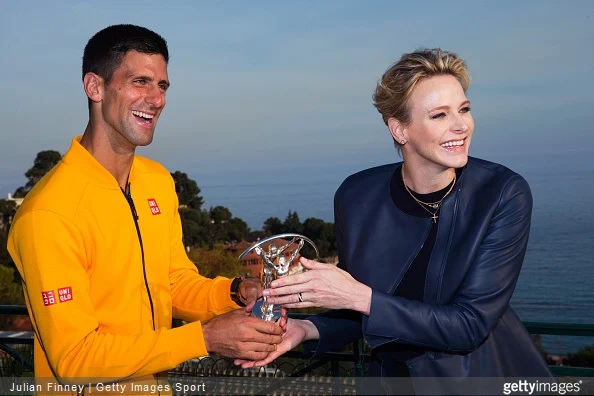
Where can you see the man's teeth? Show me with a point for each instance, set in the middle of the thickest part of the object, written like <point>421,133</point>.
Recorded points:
<point>143,115</point>
<point>453,143</point>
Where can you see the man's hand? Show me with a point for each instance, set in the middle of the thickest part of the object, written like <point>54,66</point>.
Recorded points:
<point>297,332</point>
<point>238,335</point>
<point>249,290</point>
<point>282,321</point>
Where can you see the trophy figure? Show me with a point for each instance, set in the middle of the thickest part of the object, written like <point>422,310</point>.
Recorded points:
<point>275,266</point>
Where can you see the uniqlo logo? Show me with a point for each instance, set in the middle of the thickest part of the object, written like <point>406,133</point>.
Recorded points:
<point>65,294</point>
<point>48,298</point>
<point>154,207</point>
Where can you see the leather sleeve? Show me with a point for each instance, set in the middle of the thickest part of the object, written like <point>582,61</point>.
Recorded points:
<point>483,296</point>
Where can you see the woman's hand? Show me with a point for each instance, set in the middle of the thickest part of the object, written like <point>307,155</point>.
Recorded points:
<point>324,285</point>
<point>297,332</point>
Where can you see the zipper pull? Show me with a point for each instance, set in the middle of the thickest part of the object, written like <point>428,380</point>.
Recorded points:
<point>131,202</point>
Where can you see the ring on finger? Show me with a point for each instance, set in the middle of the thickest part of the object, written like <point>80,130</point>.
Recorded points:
<point>300,297</point>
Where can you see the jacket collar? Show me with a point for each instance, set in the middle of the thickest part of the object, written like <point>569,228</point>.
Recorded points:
<point>79,158</point>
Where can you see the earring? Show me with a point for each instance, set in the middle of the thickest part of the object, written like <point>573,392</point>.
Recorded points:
<point>402,142</point>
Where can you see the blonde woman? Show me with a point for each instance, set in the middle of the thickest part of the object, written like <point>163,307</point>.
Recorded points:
<point>430,248</point>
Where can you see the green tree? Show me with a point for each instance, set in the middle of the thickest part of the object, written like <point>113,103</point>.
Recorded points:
<point>273,226</point>
<point>292,223</point>
<point>195,224</point>
<point>215,262</point>
<point>43,163</point>
<point>7,211</point>
<point>255,235</point>
<point>237,229</point>
<point>224,228</point>
<point>188,192</point>
<point>322,234</point>
<point>583,358</point>
<point>220,214</point>
<point>7,207</point>
<point>11,292</point>
<point>5,259</point>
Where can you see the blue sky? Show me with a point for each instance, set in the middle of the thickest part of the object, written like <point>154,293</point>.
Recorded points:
<point>288,84</point>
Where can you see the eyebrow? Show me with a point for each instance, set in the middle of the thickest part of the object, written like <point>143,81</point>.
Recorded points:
<point>466,102</point>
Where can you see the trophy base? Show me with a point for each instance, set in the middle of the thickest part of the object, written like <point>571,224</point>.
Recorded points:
<point>272,316</point>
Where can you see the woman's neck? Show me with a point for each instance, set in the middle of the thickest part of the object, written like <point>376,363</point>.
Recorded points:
<point>425,180</point>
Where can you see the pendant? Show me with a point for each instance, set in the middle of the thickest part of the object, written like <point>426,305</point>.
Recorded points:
<point>435,216</point>
<point>434,206</point>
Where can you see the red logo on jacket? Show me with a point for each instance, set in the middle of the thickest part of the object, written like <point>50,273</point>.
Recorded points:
<point>154,207</point>
<point>65,294</point>
<point>49,297</point>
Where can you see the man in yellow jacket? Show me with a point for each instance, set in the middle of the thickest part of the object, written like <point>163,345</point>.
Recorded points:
<point>98,241</point>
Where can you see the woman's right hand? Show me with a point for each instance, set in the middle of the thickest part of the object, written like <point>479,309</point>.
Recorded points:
<point>297,332</point>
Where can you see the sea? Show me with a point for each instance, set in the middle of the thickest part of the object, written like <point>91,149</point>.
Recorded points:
<point>556,283</point>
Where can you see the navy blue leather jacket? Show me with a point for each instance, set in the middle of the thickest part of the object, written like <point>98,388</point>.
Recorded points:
<point>465,321</point>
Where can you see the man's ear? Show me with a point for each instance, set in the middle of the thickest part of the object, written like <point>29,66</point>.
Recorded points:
<point>93,85</point>
<point>397,130</point>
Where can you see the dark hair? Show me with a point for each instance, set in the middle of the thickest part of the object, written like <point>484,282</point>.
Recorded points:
<point>105,50</point>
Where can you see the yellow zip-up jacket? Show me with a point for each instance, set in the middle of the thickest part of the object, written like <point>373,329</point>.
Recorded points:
<point>86,265</point>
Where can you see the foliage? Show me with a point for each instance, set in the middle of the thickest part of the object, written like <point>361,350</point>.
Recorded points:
<point>236,229</point>
<point>273,226</point>
<point>216,261</point>
<point>11,293</point>
<point>7,208</point>
<point>195,224</point>
<point>322,233</point>
<point>187,191</point>
<point>583,358</point>
<point>256,235</point>
<point>292,223</point>
<point>5,258</point>
<point>43,163</point>
<point>208,228</point>
<point>220,214</point>
<point>319,231</point>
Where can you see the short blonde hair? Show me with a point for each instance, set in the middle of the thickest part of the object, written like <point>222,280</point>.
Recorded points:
<point>395,88</point>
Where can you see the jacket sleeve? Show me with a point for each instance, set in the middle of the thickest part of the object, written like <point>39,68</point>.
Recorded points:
<point>339,327</point>
<point>482,297</point>
<point>49,253</point>
<point>194,297</point>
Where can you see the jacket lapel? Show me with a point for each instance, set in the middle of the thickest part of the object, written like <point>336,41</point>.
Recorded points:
<point>379,254</point>
<point>439,255</point>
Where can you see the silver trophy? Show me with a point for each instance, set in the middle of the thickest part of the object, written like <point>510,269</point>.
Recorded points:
<point>275,265</point>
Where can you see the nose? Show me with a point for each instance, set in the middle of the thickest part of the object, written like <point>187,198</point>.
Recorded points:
<point>155,97</point>
<point>460,125</point>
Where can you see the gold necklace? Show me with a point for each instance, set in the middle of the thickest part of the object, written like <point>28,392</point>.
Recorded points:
<point>435,205</point>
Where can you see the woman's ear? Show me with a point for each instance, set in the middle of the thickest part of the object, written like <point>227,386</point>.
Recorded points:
<point>397,130</point>
<point>93,85</point>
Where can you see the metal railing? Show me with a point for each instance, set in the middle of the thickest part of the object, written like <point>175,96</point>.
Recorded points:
<point>327,365</point>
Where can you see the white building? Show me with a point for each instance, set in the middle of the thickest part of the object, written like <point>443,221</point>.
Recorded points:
<point>17,201</point>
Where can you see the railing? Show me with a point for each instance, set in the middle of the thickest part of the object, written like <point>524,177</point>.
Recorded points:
<point>357,359</point>
<point>565,329</point>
